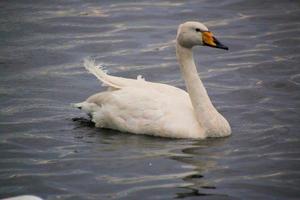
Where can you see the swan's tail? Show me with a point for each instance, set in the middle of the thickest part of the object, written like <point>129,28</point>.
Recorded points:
<point>87,107</point>
<point>99,72</point>
<point>77,105</point>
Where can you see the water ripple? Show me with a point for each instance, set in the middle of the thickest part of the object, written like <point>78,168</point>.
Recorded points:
<point>255,85</point>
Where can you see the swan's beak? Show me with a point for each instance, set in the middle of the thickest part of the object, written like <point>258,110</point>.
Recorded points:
<point>209,40</point>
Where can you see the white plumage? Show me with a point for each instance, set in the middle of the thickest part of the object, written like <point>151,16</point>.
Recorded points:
<point>142,107</point>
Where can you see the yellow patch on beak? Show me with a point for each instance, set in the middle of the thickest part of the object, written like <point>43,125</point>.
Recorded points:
<point>208,39</point>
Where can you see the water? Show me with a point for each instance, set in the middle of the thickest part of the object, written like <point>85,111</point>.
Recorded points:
<point>256,85</point>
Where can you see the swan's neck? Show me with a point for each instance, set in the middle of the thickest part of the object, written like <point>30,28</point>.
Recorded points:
<point>204,110</point>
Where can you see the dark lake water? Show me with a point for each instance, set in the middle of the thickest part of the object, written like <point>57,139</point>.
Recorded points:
<point>256,85</point>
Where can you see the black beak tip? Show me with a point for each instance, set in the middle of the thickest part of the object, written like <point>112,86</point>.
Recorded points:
<point>221,46</point>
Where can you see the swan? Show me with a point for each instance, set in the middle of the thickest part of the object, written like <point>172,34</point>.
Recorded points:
<point>142,107</point>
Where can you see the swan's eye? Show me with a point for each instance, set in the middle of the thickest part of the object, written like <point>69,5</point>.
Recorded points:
<point>198,30</point>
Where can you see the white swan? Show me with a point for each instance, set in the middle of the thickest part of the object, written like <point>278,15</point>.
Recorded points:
<point>142,107</point>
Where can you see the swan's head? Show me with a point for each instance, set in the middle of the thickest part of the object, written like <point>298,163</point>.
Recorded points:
<point>195,33</point>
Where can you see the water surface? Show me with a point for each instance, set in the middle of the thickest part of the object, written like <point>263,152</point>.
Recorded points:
<point>255,85</point>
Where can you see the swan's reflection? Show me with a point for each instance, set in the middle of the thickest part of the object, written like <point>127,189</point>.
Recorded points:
<point>187,161</point>
<point>202,157</point>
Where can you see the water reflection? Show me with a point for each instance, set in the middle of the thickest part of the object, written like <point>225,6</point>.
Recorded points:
<point>202,158</point>
<point>195,158</point>
<point>192,193</point>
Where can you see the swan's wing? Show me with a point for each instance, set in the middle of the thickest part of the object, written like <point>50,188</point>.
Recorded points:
<point>142,111</point>
<point>129,109</point>
<point>113,82</point>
